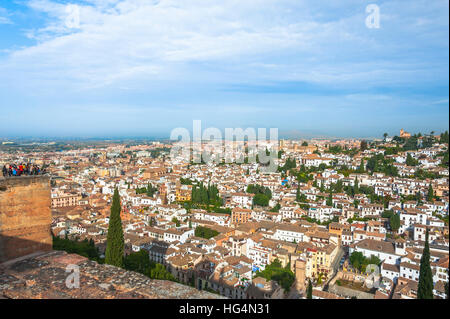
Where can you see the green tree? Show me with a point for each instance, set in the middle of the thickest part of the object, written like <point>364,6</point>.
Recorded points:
<point>363,145</point>
<point>394,221</point>
<point>444,137</point>
<point>425,287</point>
<point>361,166</point>
<point>137,261</point>
<point>205,232</point>
<point>261,200</point>
<point>330,199</point>
<point>276,208</point>
<point>176,221</point>
<point>84,248</point>
<point>410,161</point>
<point>115,240</point>
<point>282,275</point>
<point>357,260</point>
<point>309,290</point>
<point>140,262</point>
<point>430,195</point>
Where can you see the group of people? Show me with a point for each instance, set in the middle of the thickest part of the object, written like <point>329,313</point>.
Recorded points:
<point>12,170</point>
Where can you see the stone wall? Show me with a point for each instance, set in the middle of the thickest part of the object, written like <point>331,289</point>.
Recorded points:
<point>25,216</point>
<point>347,292</point>
<point>46,277</point>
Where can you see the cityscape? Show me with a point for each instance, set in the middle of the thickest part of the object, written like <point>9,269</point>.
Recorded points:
<point>330,212</point>
<point>258,151</point>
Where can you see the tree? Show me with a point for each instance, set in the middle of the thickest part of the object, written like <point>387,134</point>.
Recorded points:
<point>137,261</point>
<point>357,260</point>
<point>115,240</point>
<point>276,208</point>
<point>205,232</point>
<point>305,143</point>
<point>425,287</point>
<point>356,187</point>
<point>176,221</point>
<point>385,135</point>
<point>363,145</point>
<point>282,275</point>
<point>309,290</point>
<point>410,161</point>
<point>361,166</point>
<point>394,222</point>
<point>330,199</point>
<point>261,200</point>
<point>430,195</point>
<point>140,262</point>
<point>444,137</point>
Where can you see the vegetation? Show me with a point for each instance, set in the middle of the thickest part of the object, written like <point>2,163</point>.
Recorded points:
<point>176,221</point>
<point>262,194</point>
<point>410,161</point>
<point>378,163</point>
<point>221,210</point>
<point>140,262</point>
<point>430,195</point>
<point>288,165</point>
<point>309,290</point>
<point>207,195</point>
<point>282,275</point>
<point>185,181</point>
<point>363,145</point>
<point>394,219</point>
<point>276,208</point>
<point>299,197</point>
<point>115,241</point>
<point>205,232</point>
<point>149,190</point>
<point>84,248</point>
<point>444,137</point>
<point>360,262</point>
<point>425,287</point>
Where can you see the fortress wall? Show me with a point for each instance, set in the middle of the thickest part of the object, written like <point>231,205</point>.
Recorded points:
<point>25,216</point>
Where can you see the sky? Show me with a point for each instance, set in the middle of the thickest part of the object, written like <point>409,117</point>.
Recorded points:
<point>100,68</point>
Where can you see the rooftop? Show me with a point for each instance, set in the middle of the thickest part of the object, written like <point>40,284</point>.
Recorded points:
<point>44,277</point>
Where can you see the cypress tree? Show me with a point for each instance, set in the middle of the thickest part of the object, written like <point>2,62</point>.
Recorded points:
<point>329,201</point>
<point>425,287</point>
<point>309,290</point>
<point>115,241</point>
<point>430,194</point>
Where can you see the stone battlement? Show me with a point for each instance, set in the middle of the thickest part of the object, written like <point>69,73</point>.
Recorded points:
<point>44,277</point>
<point>25,216</point>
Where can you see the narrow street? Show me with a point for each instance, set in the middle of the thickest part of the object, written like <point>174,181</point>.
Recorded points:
<point>335,266</point>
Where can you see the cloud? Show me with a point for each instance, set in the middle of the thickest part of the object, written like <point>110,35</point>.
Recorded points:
<point>5,16</point>
<point>154,40</point>
<point>172,55</point>
<point>444,101</point>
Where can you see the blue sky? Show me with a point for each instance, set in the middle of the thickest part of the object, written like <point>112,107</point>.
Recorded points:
<point>144,67</point>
